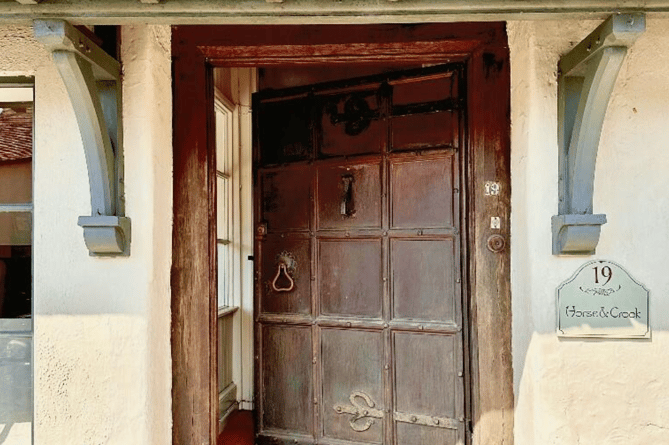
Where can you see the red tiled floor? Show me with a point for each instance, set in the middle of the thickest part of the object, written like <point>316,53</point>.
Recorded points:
<point>238,429</point>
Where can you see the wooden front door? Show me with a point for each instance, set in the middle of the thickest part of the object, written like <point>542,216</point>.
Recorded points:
<point>359,260</point>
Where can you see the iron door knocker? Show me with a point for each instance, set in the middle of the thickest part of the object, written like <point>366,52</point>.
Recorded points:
<point>282,268</point>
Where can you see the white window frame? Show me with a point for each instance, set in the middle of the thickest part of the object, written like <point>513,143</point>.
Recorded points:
<point>22,90</point>
<point>243,82</point>
<point>225,171</point>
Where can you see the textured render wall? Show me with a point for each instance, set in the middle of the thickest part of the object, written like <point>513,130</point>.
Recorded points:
<point>102,326</point>
<point>601,392</point>
<point>147,111</point>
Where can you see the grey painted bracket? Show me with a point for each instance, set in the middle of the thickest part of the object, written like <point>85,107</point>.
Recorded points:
<point>587,75</point>
<point>93,82</point>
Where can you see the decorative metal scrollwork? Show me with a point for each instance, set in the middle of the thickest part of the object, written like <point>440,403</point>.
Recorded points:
<point>357,115</point>
<point>363,414</point>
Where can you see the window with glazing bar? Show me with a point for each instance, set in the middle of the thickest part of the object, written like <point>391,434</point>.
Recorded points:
<point>16,209</point>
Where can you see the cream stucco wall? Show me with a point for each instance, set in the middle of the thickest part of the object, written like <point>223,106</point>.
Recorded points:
<point>102,371</point>
<point>588,391</point>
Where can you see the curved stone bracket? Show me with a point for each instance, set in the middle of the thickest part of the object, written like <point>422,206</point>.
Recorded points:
<point>587,75</point>
<point>92,79</point>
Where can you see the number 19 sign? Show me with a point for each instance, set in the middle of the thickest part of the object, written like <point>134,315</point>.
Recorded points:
<point>602,300</point>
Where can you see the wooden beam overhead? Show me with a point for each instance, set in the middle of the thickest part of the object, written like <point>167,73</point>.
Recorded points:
<point>114,12</point>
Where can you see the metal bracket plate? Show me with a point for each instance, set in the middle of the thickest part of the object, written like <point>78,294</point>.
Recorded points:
<point>587,75</point>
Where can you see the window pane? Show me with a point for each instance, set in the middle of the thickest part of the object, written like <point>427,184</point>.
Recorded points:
<point>16,409</point>
<point>16,182</point>
<point>222,141</point>
<point>223,274</point>
<point>15,282</point>
<point>16,387</point>
<point>223,208</point>
<point>15,229</point>
<point>15,154</point>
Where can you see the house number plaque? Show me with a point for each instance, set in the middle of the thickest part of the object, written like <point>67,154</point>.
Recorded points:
<point>602,300</point>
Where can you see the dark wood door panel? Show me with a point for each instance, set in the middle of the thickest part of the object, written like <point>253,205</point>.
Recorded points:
<point>423,279</point>
<point>425,89</point>
<point>286,198</point>
<point>352,376</point>
<point>421,192</point>
<point>286,134</point>
<point>293,252</point>
<point>349,196</point>
<point>428,388</point>
<point>408,434</point>
<point>425,112</point>
<point>287,379</point>
<point>350,277</point>
<point>436,130</point>
<point>352,123</point>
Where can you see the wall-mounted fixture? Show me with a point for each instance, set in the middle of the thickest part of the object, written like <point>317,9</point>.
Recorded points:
<point>93,81</point>
<point>586,76</point>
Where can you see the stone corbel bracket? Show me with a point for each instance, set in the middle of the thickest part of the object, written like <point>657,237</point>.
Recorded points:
<point>93,82</point>
<point>587,75</point>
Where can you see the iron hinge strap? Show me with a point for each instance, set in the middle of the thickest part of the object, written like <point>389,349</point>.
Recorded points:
<point>421,419</point>
<point>363,411</point>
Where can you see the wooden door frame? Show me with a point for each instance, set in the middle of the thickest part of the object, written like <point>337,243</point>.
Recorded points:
<point>195,50</point>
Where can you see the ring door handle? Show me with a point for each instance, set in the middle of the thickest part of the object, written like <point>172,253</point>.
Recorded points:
<point>282,268</point>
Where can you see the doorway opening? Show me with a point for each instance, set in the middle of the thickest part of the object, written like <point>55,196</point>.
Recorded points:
<point>317,213</point>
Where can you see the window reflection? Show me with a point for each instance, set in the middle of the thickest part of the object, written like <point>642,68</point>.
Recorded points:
<point>15,206</point>
<point>16,407</point>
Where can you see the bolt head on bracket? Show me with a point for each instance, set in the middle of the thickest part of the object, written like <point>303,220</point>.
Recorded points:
<point>106,235</point>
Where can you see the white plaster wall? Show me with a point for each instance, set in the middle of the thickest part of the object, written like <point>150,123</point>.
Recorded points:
<point>577,391</point>
<point>101,326</point>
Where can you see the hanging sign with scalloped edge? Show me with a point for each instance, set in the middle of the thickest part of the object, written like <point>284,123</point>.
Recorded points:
<point>602,300</point>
